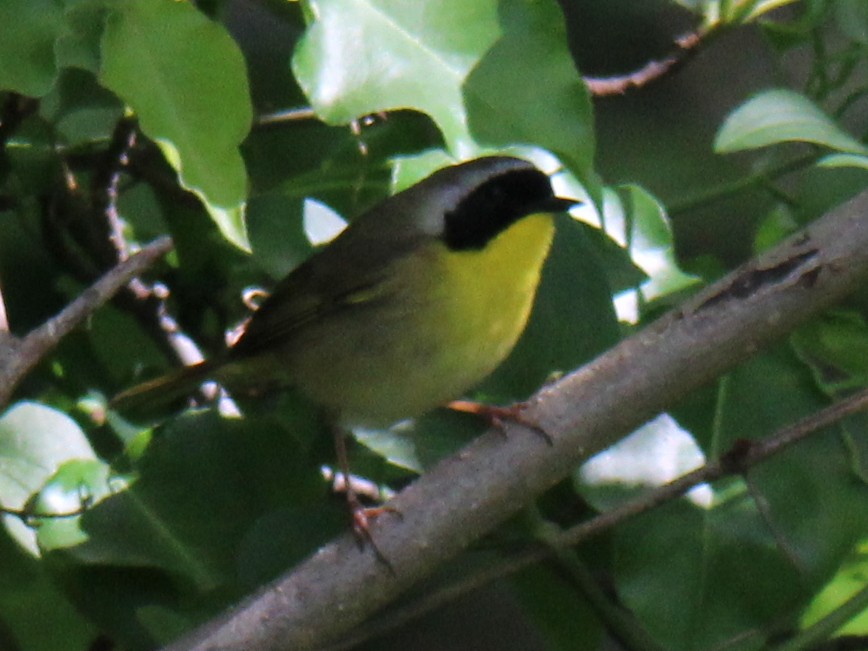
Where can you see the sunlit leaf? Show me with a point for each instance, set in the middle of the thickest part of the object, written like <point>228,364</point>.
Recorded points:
<point>363,56</point>
<point>777,116</point>
<point>34,441</point>
<point>185,79</point>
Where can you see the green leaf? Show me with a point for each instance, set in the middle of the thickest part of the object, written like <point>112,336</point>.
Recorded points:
<point>78,43</point>
<point>420,443</point>
<point>27,63</point>
<point>761,7</point>
<point>638,221</point>
<point>777,116</point>
<point>81,111</point>
<point>526,88</point>
<point>78,484</point>
<point>211,497</point>
<point>811,497</point>
<point>835,348</point>
<point>774,227</point>
<point>565,619</point>
<point>844,160</point>
<point>702,579</point>
<point>848,583</point>
<point>851,17</point>
<point>33,609</point>
<point>185,79</point>
<point>363,56</point>
<point>34,441</point>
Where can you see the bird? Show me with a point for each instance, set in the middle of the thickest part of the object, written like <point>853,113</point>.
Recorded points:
<point>416,301</point>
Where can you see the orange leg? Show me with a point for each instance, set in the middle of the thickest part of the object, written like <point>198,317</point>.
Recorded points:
<point>361,515</point>
<point>497,416</point>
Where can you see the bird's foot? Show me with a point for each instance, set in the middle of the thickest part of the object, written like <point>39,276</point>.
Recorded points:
<point>362,516</point>
<point>498,416</point>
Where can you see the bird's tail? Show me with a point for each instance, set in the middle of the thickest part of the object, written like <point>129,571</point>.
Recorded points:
<point>147,399</point>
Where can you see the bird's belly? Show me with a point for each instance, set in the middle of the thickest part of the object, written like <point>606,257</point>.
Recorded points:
<point>376,375</point>
<point>416,348</point>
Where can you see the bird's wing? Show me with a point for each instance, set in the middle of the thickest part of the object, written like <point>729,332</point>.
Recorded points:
<point>336,279</point>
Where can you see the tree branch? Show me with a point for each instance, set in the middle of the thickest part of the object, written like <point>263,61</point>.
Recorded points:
<point>652,71</point>
<point>18,356</point>
<point>470,493</point>
<point>738,460</point>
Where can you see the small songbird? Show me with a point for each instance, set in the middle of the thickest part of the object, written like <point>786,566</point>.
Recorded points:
<point>414,303</point>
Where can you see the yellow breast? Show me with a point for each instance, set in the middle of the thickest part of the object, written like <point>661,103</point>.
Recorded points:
<point>447,320</point>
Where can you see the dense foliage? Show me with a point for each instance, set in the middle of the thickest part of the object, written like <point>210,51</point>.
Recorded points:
<point>250,130</point>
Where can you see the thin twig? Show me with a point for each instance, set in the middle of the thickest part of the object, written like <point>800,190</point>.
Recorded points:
<point>652,71</point>
<point>104,187</point>
<point>286,115</point>
<point>27,517</point>
<point>31,349</point>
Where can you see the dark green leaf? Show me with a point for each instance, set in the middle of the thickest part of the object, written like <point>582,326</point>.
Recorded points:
<point>526,88</point>
<point>700,579</point>
<point>27,63</point>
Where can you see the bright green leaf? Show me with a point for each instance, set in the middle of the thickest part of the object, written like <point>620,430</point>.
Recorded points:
<point>844,160</point>
<point>185,79</point>
<point>777,116</point>
<point>77,485</point>
<point>363,56</point>
<point>848,583</point>
<point>774,227</point>
<point>34,441</point>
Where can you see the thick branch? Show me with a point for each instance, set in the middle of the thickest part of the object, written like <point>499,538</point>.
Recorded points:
<point>19,356</point>
<point>469,494</point>
<point>738,460</point>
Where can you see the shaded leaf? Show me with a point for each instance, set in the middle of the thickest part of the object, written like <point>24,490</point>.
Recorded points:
<point>532,56</point>
<point>27,63</point>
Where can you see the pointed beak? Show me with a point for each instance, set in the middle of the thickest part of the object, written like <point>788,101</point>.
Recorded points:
<point>558,204</point>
